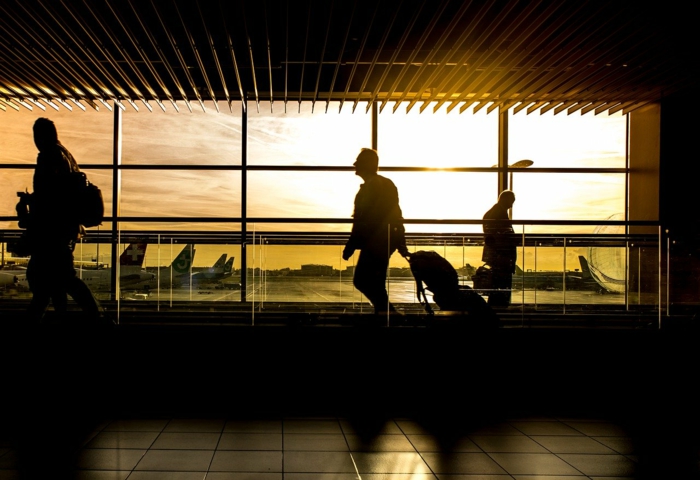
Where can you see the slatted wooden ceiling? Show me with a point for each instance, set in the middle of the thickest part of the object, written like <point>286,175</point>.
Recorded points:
<point>532,55</point>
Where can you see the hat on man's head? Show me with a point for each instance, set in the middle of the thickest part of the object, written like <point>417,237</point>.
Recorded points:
<point>367,159</point>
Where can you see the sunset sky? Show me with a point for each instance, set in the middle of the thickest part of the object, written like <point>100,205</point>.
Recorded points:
<point>301,138</point>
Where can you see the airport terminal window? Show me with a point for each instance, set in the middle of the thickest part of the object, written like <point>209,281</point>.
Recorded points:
<point>440,139</point>
<point>292,134</point>
<point>87,134</point>
<point>183,138</point>
<point>181,193</point>
<point>567,196</point>
<point>568,141</point>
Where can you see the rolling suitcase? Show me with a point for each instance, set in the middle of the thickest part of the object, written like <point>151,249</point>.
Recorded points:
<point>434,273</point>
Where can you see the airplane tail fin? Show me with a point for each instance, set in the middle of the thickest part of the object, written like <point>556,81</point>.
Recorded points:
<point>584,266</point>
<point>133,255</point>
<point>183,261</point>
<point>221,262</point>
<point>228,266</point>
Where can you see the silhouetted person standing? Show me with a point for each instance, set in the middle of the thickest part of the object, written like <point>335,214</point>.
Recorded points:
<point>377,231</point>
<point>500,249</point>
<point>53,230</point>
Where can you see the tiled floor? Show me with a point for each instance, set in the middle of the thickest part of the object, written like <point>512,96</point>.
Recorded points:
<point>151,404</point>
<point>326,448</point>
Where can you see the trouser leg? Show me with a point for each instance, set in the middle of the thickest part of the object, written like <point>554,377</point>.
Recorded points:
<point>370,279</point>
<point>82,295</point>
<point>501,283</point>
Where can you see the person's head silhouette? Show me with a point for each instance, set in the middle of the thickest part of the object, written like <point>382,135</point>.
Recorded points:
<point>45,134</point>
<point>506,198</point>
<point>367,163</point>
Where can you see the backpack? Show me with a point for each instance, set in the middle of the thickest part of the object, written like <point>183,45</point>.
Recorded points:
<point>86,199</point>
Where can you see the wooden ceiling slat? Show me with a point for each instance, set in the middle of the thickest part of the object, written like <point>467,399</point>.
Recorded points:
<point>341,52</point>
<point>178,51</point>
<point>453,53</point>
<point>105,87</point>
<point>427,32</point>
<point>144,57</point>
<point>473,65</point>
<point>358,56</point>
<point>375,58</point>
<point>249,43</point>
<point>516,54</point>
<point>399,48</point>
<point>435,49</point>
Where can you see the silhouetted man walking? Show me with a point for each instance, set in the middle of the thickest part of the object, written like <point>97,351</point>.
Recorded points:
<point>377,231</point>
<point>52,229</point>
<point>500,249</point>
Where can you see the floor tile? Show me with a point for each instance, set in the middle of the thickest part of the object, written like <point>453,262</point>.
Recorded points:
<point>507,443</point>
<point>318,462</point>
<point>195,425</point>
<point>386,427</point>
<point>315,442</point>
<point>466,463</point>
<point>545,428</point>
<point>608,465</point>
<point>412,427</point>
<point>569,444</point>
<point>311,426</point>
<point>380,443</point>
<point>622,445</point>
<point>176,460</point>
<point>401,476</point>
<point>599,429</point>
<point>496,429</point>
<point>250,441</point>
<point>236,461</point>
<point>167,476</point>
<point>14,475</point>
<point>245,476</point>
<point>186,441</point>
<point>533,464</point>
<point>100,475</point>
<point>137,425</point>
<point>122,439</point>
<point>109,459</point>
<point>431,443</point>
<point>554,477</point>
<point>253,426</point>
<point>322,476</point>
<point>390,462</point>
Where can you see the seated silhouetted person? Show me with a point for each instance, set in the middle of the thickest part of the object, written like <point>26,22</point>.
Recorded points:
<point>500,249</point>
<point>53,231</point>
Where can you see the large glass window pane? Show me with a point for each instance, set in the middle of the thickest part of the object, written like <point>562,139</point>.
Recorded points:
<point>88,135</point>
<point>300,136</point>
<point>437,139</point>
<point>14,180</point>
<point>180,193</point>
<point>183,138</point>
<point>422,195</point>
<point>574,196</point>
<point>571,141</point>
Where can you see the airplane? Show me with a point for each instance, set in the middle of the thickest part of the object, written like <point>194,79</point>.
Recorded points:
<point>220,270</point>
<point>12,277</point>
<point>553,280</point>
<point>130,270</point>
<point>173,275</point>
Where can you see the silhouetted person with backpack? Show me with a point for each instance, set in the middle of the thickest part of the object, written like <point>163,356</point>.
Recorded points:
<point>500,249</point>
<point>377,231</point>
<point>52,230</point>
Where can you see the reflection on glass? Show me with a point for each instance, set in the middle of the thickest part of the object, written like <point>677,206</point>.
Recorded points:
<point>438,139</point>
<point>306,138</point>
<point>570,141</point>
<point>184,138</point>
